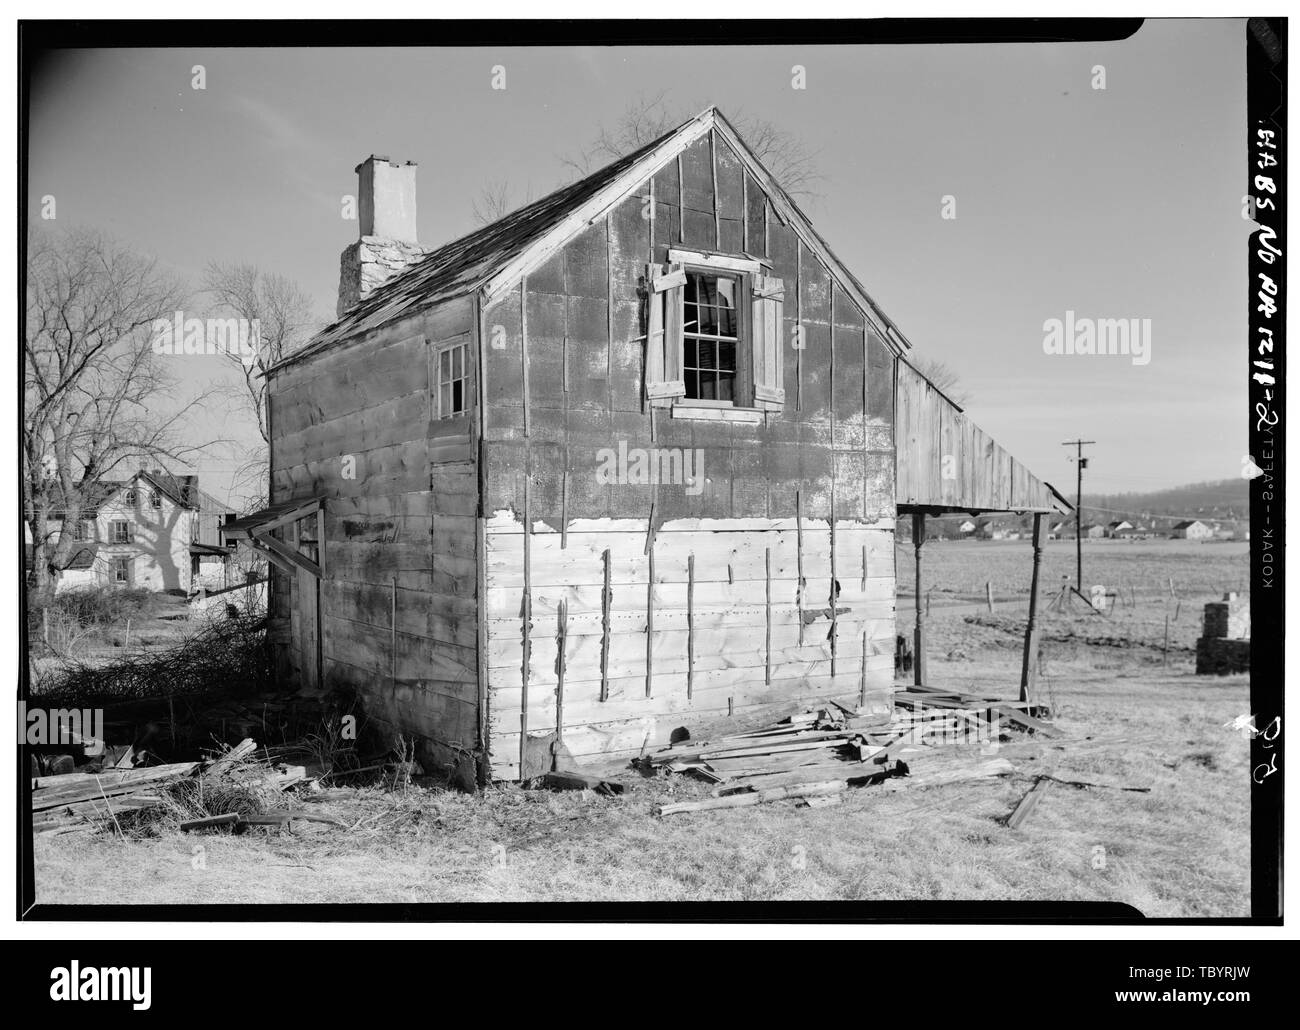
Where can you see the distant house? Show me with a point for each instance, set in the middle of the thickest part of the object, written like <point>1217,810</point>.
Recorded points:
<point>1060,531</point>
<point>1093,531</point>
<point>1117,527</point>
<point>1192,529</point>
<point>1138,532</point>
<point>966,528</point>
<point>154,531</point>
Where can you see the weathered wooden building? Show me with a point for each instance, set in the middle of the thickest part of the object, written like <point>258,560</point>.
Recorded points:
<point>624,460</point>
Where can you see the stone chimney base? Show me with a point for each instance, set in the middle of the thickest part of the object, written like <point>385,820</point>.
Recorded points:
<point>364,265</point>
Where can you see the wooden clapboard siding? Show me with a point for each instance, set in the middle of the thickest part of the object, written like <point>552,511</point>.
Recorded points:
<point>982,475</point>
<point>699,638</point>
<point>399,607</point>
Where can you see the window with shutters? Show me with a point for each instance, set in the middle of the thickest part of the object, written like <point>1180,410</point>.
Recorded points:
<point>713,332</point>
<point>122,571</point>
<point>121,531</point>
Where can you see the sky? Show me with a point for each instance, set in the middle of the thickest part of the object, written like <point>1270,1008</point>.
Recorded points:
<point>1115,203</point>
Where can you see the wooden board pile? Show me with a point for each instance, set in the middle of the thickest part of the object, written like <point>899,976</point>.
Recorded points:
<point>915,697</point>
<point>81,800</point>
<point>814,755</point>
<point>811,754</point>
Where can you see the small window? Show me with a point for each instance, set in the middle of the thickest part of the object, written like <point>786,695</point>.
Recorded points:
<point>131,497</point>
<point>122,571</point>
<point>80,530</point>
<point>711,332</point>
<point>453,380</point>
<point>121,532</point>
<point>155,499</point>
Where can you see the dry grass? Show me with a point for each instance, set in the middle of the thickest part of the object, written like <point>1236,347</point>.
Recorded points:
<point>1181,850</point>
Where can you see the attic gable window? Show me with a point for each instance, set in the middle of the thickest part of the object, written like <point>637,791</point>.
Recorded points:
<point>713,332</point>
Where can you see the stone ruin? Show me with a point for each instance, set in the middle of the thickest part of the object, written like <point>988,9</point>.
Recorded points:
<point>1224,646</point>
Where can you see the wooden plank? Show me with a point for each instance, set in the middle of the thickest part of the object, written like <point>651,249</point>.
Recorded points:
<point>1028,803</point>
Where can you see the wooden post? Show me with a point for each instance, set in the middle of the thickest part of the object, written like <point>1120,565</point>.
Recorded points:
<point>835,592</point>
<point>561,641</point>
<point>527,612</point>
<point>392,619</point>
<point>862,687</point>
<point>1166,638</point>
<point>650,619</point>
<point>690,625</point>
<point>605,600</point>
<point>918,646</point>
<point>798,525</point>
<point>988,591</point>
<point>1029,668</point>
<point>564,506</point>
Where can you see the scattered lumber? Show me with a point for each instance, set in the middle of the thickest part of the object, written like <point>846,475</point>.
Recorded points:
<point>853,773</point>
<point>961,774</point>
<point>92,786</point>
<point>59,802</point>
<point>745,799</point>
<point>1028,803</point>
<point>1028,721</point>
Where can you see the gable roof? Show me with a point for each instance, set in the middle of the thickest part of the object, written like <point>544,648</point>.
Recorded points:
<point>495,257</point>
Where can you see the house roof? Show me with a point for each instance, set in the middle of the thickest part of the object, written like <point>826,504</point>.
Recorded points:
<point>1188,524</point>
<point>495,256</point>
<point>183,490</point>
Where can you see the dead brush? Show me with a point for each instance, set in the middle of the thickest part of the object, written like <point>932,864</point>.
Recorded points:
<point>241,788</point>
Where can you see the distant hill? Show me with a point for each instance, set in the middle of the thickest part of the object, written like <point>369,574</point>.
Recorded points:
<point>1224,499</point>
<point>1225,504</point>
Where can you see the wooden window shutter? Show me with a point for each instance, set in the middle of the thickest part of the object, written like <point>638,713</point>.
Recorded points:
<point>768,327</point>
<point>665,380</point>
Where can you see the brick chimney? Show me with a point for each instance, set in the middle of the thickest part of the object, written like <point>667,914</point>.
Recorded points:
<point>386,216</point>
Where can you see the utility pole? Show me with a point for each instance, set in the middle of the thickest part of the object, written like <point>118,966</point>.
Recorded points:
<point>1081,463</point>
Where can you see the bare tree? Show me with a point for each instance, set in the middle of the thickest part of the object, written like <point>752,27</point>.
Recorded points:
<point>944,378</point>
<point>495,201</point>
<point>286,317</point>
<point>92,383</point>
<point>284,313</point>
<point>648,118</point>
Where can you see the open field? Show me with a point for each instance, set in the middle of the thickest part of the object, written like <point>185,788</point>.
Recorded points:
<point>1142,566</point>
<point>1180,850</point>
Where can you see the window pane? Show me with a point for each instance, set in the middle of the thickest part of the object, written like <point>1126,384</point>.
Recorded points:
<point>727,356</point>
<point>691,319</point>
<point>458,396</point>
<point>709,321</point>
<point>708,354</point>
<point>726,293</point>
<point>692,384</point>
<point>444,400</point>
<point>726,387</point>
<point>727,321</point>
<point>692,288</point>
